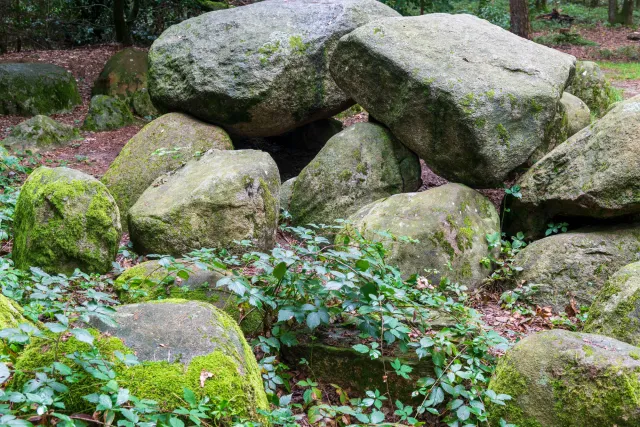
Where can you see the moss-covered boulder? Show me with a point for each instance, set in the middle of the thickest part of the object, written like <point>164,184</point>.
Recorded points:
<point>30,89</point>
<point>450,222</point>
<point>43,352</point>
<point>10,314</point>
<point>188,344</point>
<point>361,164</point>
<point>142,104</point>
<point>590,85</point>
<point>593,174</point>
<point>123,74</point>
<point>616,309</point>
<point>40,133</point>
<point>286,191</point>
<point>575,265</point>
<point>149,281</point>
<point>107,113</point>
<point>260,69</point>
<point>65,219</point>
<point>471,99</point>
<point>160,147</point>
<point>566,379</point>
<point>220,197</point>
<point>577,111</point>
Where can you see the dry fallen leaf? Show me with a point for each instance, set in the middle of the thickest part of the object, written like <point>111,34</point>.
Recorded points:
<point>204,376</point>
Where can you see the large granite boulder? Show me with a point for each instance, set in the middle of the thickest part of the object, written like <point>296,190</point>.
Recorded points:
<point>575,265</point>
<point>361,164</point>
<point>123,74</point>
<point>594,174</point>
<point>210,202</point>
<point>257,70</point>
<point>566,379</point>
<point>65,219</point>
<point>616,309</point>
<point>160,147</point>
<point>471,99</point>
<point>450,222</point>
<point>39,133</point>
<point>591,86</point>
<point>107,113</point>
<point>30,89</point>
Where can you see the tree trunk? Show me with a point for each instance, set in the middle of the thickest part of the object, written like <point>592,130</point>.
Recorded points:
<point>613,11</point>
<point>123,32</point>
<point>627,12</point>
<point>519,10</point>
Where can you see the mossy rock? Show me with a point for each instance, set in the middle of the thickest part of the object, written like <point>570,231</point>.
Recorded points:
<point>473,116</point>
<point>576,265</point>
<point>594,174</point>
<point>142,160</point>
<point>210,202</point>
<point>42,352</point>
<point>231,68</point>
<point>178,341</point>
<point>149,281</point>
<point>286,191</point>
<point>211,6</point>
<point>142,104</point>
<point>123,74</point>
<point>10,313</point>
<point>107,113</point>
<point>450,222</point>
<point>40,133</point>
<point>566,379</point>
<point>359,165</point>
<point>591,86</point>
<point>616,309</point>
<point>65,219</point>
<point>29,89</point>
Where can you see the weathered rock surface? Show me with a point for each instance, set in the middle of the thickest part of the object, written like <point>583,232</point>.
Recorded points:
<point>471,99</point>
<point>286,191</point>
<point>30,89</point>
<point>257,70</point>
<point>65,219</point>
<point>451,223</point>
<point>566,379</point>
<point>616,309</point>
<point>107,113</point>
<point>575,265</point>
<point>150,281</point>
<point>577,111</point>
<point>361,164</point>
<point>123,74</point>
<point>142,104</point>
<point>594,174</point>
<point>160,147</point>
<point>38,133</point>
<point>591,86</point>
<point>210,202</point>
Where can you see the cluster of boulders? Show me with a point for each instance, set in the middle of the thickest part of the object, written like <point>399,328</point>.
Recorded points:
<point>475,102</point>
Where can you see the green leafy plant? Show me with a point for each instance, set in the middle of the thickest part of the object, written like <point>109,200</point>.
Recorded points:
<point>555,228</point>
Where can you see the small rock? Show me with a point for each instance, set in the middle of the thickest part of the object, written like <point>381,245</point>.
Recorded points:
<point>107,113</point>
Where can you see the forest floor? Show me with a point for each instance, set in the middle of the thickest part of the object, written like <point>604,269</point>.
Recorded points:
<point>95,152</point>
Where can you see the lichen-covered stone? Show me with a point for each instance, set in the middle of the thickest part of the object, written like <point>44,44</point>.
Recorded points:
<point>123,74</point>
<point>159,147</point>
<point>451,223</point>
<point>142,104</point>
<point>590,85</point>
<point>566,379</point>
<point>65,219</point>
<point>616,309</point>
<point>107,113</point>
<point>10,314</point>
<point>361,164</point>
<point>260,69</point>
<point>593,174</point>
<point>178,342</point>
<point>150,281</point>
<point>220,197</point>
<point>577,111</point>
<point>575,265</point>
<point>471,99</point>
<point>286,191</point>
<point>30,89</point>
<point>39,133</point>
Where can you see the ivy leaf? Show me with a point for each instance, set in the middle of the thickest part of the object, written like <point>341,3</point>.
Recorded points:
<point>190,397</point>
<point>362,265</point>
<point>280,270</point>
<point>285,314</point>
<point>377,417</point>
<point>62,368</point>
<point>82,335</point>
<point>56,328</point>
<point>361,348</point>
<point>313,320</point>
<point>4,373</point>
<point>463,413</point>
